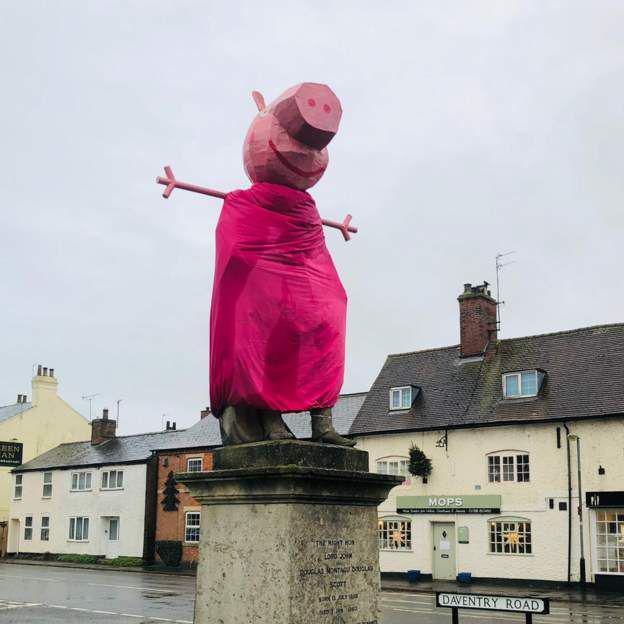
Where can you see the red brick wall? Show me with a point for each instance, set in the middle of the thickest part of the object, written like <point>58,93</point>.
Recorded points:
<point>477,320</point>
<point>170,524</point>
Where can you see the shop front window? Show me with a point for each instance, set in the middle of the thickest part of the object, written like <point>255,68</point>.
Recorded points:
<point>610,541</point>
<point>395,534</point>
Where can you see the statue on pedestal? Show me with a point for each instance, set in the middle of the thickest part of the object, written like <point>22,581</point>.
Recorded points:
<point>278,315</point>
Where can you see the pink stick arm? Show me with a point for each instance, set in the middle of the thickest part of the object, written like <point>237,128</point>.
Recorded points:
<point>344,227</point>
<point>171,182</point>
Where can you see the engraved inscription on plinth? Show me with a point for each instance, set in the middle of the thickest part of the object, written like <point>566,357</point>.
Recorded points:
<point>339,581</point>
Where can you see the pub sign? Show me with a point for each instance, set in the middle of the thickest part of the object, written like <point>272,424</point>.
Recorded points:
<point>604,499</point>
<point>11,453</point>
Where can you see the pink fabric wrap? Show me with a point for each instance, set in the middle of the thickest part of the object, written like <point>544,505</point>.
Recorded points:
<point>278,316</point>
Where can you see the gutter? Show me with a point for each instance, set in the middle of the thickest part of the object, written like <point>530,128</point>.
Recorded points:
<point>488,423</point>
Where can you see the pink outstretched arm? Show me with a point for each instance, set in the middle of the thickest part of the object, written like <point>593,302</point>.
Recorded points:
<point>171,182</point>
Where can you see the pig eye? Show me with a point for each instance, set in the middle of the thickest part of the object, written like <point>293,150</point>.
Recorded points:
<point>327,108</point>
<point>311,102</point>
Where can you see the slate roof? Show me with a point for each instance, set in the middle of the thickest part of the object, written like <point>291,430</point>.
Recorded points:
<point>8,411</point>
<point>138,448</point>
<point>584,378</point>
<point>343,414</point>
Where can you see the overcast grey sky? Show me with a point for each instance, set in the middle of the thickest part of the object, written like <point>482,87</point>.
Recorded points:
<point>469,127</point>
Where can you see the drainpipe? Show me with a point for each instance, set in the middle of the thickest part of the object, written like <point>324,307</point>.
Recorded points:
<point>565,426</point>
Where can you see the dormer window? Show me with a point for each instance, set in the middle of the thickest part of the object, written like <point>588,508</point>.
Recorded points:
<point>522,384</point>
<point>401,398</point>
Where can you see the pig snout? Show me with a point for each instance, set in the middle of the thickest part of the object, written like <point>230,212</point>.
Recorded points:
<point>310,113</point>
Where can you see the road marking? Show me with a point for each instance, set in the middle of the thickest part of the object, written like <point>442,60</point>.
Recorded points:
<point>54,580</point>
<point>145,618</point>
<point>153,589</point>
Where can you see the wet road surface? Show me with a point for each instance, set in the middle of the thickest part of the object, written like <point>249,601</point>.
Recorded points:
<point>47,595</point>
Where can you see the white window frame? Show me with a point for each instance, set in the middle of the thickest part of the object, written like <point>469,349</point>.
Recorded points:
<point>18,488</point>
<point>29,526</point>
<point>608,542</point>
<point>394,534</point>
<point>521,526</point>
<point>519,374</point>
<point>403,405</point>
<point>191,529</point>
<point>509,466</point>
<point>195,459</point>
<point>82,520</point>
<point>45,536</point>
<point>87,475</point>
<point>393,465</point>
<point>118,478</point>
<point>47,484</point>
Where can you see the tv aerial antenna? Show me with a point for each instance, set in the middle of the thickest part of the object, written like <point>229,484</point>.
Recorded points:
<point>90,397</point>
<point>500,263</point>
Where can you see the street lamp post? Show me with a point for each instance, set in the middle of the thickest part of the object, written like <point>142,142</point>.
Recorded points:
<point>575,438</point>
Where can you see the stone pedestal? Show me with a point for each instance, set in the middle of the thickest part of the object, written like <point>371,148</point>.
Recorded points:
<point>288,535</point>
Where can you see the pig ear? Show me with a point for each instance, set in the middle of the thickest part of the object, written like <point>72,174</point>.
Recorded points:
<point>259,100</point>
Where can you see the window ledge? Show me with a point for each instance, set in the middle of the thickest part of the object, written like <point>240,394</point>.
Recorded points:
<point>191,543</point>
<point>510,554</point>
<point>111,489</point>
<point>72,491</point>
<point>70,541</point>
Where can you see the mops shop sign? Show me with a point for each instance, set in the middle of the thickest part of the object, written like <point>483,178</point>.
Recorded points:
<point>446,504</point>
<point>11,453</point>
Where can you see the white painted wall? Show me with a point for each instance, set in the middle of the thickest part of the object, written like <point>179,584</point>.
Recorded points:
<point>462,469</point>
<point>127,503</point>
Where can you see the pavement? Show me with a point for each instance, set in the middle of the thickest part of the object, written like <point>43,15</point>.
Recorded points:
<point>44,594</point>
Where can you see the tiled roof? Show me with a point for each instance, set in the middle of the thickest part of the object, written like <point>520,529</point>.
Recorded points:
<point>205,433</point>
<point>8,411</point>
<point>584,378</point>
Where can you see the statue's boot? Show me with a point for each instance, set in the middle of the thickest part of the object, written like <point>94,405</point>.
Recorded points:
<point>323,429</point>
<point>274,427</point>
<point>240,424</point>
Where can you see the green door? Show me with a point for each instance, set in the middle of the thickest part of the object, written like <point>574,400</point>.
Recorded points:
<point>444,550</point>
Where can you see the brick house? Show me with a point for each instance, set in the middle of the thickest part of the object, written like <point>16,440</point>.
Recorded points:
<point>179,519</point>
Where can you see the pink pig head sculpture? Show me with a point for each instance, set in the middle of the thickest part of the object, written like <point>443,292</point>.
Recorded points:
<point>287,141</point>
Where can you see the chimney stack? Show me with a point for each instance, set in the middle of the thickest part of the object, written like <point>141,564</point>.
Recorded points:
<point>103,429</point>
<point>44,385</point>
<point>477,320</point>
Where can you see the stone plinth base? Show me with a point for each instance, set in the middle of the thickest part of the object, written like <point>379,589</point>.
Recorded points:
<point>289,535</point>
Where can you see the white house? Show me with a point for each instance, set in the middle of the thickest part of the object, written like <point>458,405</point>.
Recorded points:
<point>96,497</point>
<point>500,421</point>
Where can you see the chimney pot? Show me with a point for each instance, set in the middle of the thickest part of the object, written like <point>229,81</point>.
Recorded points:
<point>173,425</point>
<point>105,413</point>
<point>24,398</point>
<point>168,426</point>
<point>19,398</point>
<point>45,371</point>
<point>51,372</point>
<point>39,373</point>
